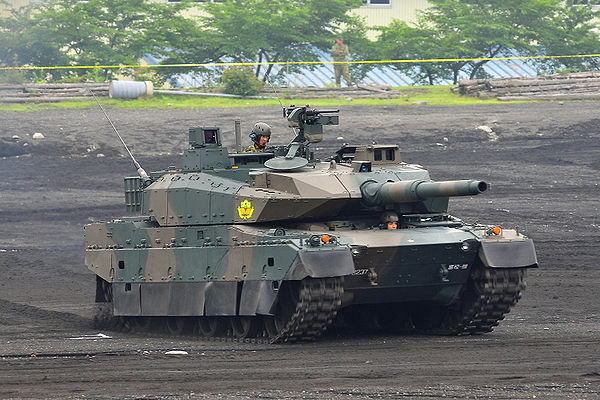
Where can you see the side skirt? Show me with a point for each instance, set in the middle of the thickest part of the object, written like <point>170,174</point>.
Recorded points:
<point>193,298</point>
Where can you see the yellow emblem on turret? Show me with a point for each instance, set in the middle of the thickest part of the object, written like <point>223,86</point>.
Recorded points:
<point>245,209</point>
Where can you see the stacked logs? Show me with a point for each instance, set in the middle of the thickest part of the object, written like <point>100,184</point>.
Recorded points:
<point>575,86</point>
<point>49,92</point>
<point>308,92</point>
<point>313,92</point>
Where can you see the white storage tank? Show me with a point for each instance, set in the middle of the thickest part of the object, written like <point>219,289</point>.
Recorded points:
<point>130,89</point>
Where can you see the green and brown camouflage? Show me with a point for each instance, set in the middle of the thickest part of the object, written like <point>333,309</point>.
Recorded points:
<point>289,246</point>
<point>339,52</point>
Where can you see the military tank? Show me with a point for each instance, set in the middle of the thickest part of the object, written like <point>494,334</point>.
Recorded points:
<point>277,245</point>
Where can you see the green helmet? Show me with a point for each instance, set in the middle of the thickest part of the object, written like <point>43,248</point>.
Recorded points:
<point>260,129</point>
<point>389,216</point>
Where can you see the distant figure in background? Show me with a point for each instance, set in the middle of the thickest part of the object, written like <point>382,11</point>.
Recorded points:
<point>260,136</point>
<point>339,52</point>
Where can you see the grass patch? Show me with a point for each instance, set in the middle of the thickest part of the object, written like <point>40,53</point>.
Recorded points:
<point>411,95</point>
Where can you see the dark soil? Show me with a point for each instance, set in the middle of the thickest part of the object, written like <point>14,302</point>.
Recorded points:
<point>542,159</point>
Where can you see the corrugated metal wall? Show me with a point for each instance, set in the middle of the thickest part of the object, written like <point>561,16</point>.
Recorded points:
<point>323,75</point>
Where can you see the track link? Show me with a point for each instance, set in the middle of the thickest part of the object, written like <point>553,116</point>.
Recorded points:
<point>318,303</point>
<point>488,297</point>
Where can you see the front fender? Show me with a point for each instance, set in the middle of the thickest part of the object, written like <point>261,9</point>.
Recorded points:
<point>508,254</point>
<point>321,263</point>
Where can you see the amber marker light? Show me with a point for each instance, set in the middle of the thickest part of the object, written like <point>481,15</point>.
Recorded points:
<point>496,230</point>
<point>325,238</point>
<point>234,167</point>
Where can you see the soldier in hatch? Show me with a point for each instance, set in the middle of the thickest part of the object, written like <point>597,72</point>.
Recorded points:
<point>389,220</point>
<point>260,135</point>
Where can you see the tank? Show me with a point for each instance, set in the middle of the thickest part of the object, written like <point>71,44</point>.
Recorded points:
<point>278,246</point>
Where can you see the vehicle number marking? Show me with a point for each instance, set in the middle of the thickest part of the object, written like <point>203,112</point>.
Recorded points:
<point>454,267</point>
<point>363,271</point>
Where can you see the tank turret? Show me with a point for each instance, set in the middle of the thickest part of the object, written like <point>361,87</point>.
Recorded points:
<point>191,199</point>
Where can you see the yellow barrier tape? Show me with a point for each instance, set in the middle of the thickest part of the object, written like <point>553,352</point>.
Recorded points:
<point>235,64</point>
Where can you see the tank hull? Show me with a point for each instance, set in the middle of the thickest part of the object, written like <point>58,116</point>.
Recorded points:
<point>238,271</point>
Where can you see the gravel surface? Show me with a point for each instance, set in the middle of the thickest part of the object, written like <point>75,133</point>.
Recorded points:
<point>542,160</point>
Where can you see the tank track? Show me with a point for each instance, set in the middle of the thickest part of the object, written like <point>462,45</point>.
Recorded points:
<point>317,304</point>
<point>488,297</point>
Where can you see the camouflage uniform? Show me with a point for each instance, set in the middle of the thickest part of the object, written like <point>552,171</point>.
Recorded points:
<point>259,131</point>
<point>252,149</point>
<point>339,51</point>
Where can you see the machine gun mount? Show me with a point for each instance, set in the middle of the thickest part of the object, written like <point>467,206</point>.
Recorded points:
<point>308,125</point>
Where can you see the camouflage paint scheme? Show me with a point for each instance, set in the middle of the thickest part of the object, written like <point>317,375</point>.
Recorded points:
<point>218,236</point>
<point>169,271</point>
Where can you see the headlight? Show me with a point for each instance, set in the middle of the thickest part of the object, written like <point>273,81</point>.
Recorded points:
<point>357,250</point>
<point>314,240</point>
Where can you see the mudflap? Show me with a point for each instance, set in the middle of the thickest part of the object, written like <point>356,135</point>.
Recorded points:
<point>257,297</point>
<point>508,254</point>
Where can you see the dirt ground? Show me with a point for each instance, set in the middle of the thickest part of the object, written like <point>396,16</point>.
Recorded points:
<point>542,159</point>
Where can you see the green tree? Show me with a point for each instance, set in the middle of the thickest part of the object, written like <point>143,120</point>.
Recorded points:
<point>23,42</point>
<point>486,29</point>
<point>399,41</point>
<point>114,32</point>
<point>241,81</point>
<point>574,32</point>
<point>274,30</point>
<point>180,41</point>
<point>105,32</point>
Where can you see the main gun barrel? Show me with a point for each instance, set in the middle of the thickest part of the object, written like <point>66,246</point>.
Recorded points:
<point>375,193</point>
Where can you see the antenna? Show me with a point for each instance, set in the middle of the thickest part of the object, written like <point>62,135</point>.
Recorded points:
<point>278,99</point>
<point>275,91</point>
<point>140,170</point>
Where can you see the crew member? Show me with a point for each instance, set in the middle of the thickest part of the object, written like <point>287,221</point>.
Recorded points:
<point>389,220</point>
<point>260,136</point>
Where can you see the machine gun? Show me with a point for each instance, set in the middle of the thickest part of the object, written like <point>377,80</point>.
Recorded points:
<point>310,121</point>
<point>308,125</point>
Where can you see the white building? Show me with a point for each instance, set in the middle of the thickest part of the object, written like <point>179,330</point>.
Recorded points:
<point>382,12</point>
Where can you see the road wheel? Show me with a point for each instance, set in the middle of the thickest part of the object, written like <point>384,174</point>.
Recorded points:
<point>210,326</point>
<point>245,327</point>
<point>141,324</point>
<point>175,325</point>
